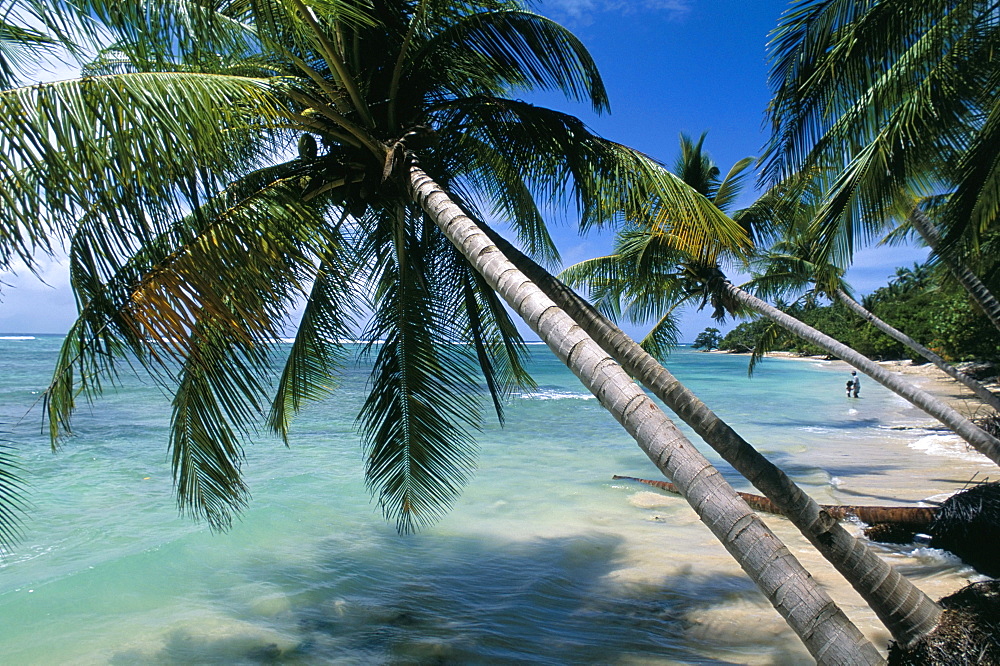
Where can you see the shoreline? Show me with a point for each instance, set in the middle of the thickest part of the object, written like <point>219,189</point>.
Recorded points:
<point>927,376</point>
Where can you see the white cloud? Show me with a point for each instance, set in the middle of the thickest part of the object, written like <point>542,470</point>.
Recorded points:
<point>585,10</point>
<point>37,304</point>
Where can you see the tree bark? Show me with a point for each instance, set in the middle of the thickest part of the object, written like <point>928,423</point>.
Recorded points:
<point>824,629</point>
<point>906,611</point>
<point>979,439</point>
<point>915,516</point>
<point>981,391</point>
<point>983,297</point>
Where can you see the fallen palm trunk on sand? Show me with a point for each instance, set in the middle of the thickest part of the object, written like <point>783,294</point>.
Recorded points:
<point>917,516</point>
<point>966,524</point>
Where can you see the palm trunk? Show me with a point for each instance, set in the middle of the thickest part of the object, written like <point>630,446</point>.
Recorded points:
<point>981,391</point>
<point>906,611</point>
<point>827,633</point>
<point>980,440</point>
<point>913,516</point>
<point>983,297</point>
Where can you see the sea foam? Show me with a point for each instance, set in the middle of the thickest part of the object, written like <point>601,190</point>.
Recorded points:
<point>555,394</point>
<point>948,446</point>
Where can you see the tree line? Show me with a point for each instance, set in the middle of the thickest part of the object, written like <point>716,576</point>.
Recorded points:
<point>914,301</point>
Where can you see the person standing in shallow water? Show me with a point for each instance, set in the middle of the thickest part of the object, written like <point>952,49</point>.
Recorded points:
<point>850,387</point>
<point>857,383</point>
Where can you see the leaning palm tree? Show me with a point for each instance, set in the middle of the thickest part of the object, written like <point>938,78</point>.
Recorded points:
<point>646,262</point>
<point>584,344</point>
<point>923,122</point>
<point>193,232</point>
<point>696,168</point>
<point>288,148</point>
<point>649,270</point>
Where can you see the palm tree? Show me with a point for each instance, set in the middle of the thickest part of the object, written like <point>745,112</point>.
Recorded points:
<point>975,436</point>
<point>981,392</point>
<point>193,233</point>
<point>159,247</point>
<point>979,292</point>
<point>544,304</point>
<point>651,255</point>
<point>648,270</point>
<point>923,122</point>
<point>696,168</point>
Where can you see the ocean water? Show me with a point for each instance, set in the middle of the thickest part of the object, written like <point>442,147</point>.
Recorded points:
<point>545,559</point>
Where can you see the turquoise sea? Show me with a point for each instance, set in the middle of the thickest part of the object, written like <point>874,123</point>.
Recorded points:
<point>545,559</point>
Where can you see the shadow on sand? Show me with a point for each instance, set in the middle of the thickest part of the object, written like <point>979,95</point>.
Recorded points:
<point>557,600</point>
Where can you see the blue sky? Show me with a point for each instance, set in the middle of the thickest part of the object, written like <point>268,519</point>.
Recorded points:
<point>670,66</point>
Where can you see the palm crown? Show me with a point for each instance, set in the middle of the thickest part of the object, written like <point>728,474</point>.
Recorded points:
<point>652,273</point>
<point>221,163</point>
<point>889,101</point>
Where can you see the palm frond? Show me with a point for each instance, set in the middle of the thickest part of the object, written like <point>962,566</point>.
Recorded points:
<point>974,207</point>
<point>491,175</point>
<point>215,405</point>
<point>567,165</point>
<point>894,129</point>
<point>21,46</point>
<point>519,49</point>
<point>423,399</point>
<point>174,31</point>
<point>603,278</point>
<point>822,58</point>
<point>310,372</point>
<point>783,274</point>
<point>139,148</point>
<point>239,263</point>
<point>663,336</point>
<point>732,184</point>
<point>767,341</point>
<point>12,492</point>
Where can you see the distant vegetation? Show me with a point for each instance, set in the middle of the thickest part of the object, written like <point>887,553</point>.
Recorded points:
<point>708,339</point>
<point>940,317</point>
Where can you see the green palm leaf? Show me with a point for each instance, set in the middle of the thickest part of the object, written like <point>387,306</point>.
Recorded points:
<point>513,49</point>
<point>310,372</point>
<point>12,492</point>
<point>896,130</point>
<point>179,308</point>
<point>423,401</point>
<point>214,406</point>
<point>72,147</point>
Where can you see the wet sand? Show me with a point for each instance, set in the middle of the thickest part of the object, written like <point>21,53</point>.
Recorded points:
<point>946,470</point>
<point>916,461</point>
